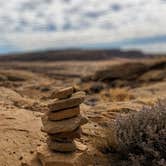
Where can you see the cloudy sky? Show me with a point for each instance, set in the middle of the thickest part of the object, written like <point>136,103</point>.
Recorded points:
<point>27,25</point>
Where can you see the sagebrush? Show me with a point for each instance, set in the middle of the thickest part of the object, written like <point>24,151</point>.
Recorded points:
<point>141,136</point>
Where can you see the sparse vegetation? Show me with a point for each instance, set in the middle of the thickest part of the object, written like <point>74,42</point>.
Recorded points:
<point>137,139</point>
<point>117,94</point>
<point>141,137</point>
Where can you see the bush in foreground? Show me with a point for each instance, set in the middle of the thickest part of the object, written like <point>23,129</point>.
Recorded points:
<point>141,137</point>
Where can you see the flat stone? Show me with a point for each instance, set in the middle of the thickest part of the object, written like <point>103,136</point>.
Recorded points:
<point>63,140</point>
<point>50,158</point>
<point>69,135</point>
<point>63,93</point>
<point>64,114</point>
<point>61,146</point>
<point>80,146</point>
<point>79,94</point>
<point>66,125</point>
<point>75,100</point>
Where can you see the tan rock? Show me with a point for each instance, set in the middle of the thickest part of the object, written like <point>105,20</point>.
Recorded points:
<point>64,114</point>
<point>74,100</point>
<point>63,93</point>
<point>18,136</point>
<point>63,140</point>
<point>80,146</point>
<point>67,125</point>
<point>50,158</point>
<point>61,146</point>
<point>79,94</point>
<point>70,135</point>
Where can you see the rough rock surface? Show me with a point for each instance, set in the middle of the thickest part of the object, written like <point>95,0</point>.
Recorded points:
<point>66,103</point>
<point>63,93</point>
<point>61,146</point>
<point>67,125</point>
<point>77,158</point>
<point>63,114</point>
<point>71,135</point>
<point>20,135</point>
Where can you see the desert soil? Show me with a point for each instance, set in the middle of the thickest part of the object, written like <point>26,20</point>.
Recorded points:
<point>26,87</point>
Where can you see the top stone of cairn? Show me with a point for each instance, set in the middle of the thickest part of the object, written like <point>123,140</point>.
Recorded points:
<point>63,93</point>
<point>74,100</point>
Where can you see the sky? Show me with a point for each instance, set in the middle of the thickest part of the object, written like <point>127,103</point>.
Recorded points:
<point>31,25</point>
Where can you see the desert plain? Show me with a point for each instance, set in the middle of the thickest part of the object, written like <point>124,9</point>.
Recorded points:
<point>114,87</point>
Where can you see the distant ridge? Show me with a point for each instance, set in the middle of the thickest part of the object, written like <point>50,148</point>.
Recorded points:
<point>70,55</point>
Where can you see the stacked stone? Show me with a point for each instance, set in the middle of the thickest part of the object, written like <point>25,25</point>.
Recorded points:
<point>63,120</point>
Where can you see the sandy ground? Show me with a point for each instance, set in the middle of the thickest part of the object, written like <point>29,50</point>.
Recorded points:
<point>25,88</point>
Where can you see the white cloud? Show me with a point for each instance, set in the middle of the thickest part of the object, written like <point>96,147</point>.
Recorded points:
<point>36,24</point>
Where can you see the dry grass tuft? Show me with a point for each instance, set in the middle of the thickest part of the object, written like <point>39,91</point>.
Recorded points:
<point>140,138</point>
<point>117,94</point>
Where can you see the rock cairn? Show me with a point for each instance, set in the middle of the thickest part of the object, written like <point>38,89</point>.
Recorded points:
<point>62,121</point>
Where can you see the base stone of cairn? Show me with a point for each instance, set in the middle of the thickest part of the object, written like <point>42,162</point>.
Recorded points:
<point>51,158</point>
<point>62,123</point>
